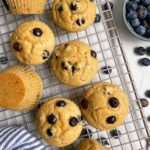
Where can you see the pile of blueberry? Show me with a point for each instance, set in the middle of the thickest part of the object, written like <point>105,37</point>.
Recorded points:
<point>138,15</point>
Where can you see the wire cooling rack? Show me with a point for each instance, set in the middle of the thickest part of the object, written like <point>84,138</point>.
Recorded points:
<point>104,39</point>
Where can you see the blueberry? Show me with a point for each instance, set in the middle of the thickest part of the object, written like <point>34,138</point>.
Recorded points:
<point>147,34</point>
<point>93,54</point>
<point>61,103</point>
<point>103,141</point>
<point>148,50</point>
<point>97,18</point>
<point>17,47</point>
<point>131,14</point>
<point>37,32</point>
<point>73,121</point>
<point>86,133</point>
<point>148,118</point>
<point>148,7</point>
<point>147,93</point>
<point>52,119</point>
<point>142,12</point>
<point>115,133</point>
<point>145,2</point>
<point>144,61</point>
<point>144,23</point>
<point>49,132</point>
<point>3,60</point>
<point>131,5</point>
<point>135,22</point>
<point>107,4</point>
<point>136,1</point>
<point>140,51</point>
<point>84,103</point>
<point>111,119</point>
<point>107,70</point>
<point>144,102</point>
<point>73,6</point>
<point>113,102</point>
<point>140,30</point>
<point>148,15</point>
<point>46,54</point>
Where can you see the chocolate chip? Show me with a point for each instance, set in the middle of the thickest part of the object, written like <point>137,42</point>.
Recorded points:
<point>61,103</point>
<point>115,133</point>
<point>52,119</point>
<point>93,54</point>
<point>80,22</point>
<point>3,60</point>
<point>17,47</point>
<point>113,102</point>
<point>64,65</point>
<point>46,54</point>
<point>111,119</point>
<point>84,103</point>
<point>73,6</point>
<point>60,8</point>
<point>103,141</point>
<point>66,45</point>
<point>83,21</point>
<point>37,32</point>
<point>92,1</point>
<point>144,102</point>
<point>86,133</point>
<point>107,70</point>
<point>73,121</point>
<point>49,132</point>
<point>73,68</point>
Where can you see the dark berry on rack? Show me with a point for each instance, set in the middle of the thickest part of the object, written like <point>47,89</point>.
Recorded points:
<point>145,24</point>
<point>131,5</point>
<point>115,133</point>
<point>140,30</point>
<point>131,14</point>
<point>52,119</point>
<point>148,50</point>
<point>17,47</point>
<point>103,141</point>
<point>140,50</point>
<point>3,60</point>
<point>111,119</point>
<point>73,6</point>
<point>46,54</point>
<point>97,18</point>
<point>145,2</point>
<point>49,132</point>
<point>107,70</point>
<point>148,118</point>
<point>64,65</point>
<point>84,103</point>
<point>93,54</point>
<point>135,22</point>
<point>86,133</point>
<point>144,61</point>
<point>147,93</point>
<point>144,102</point>
<point>61,103</point>
<point>37,32</point>
<point>113,102</point>
<point>60,8</point>
<point>107,4</point>
<point>73,121</point>
<point>142,12</point>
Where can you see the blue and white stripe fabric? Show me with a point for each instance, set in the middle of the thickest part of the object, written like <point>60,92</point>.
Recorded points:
<point>18,138</point>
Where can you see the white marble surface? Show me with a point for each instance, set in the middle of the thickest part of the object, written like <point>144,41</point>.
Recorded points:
<point>141,74</point>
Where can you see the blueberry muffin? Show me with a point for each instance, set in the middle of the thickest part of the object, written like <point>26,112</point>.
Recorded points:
<point>74,15</point>
<point>90,144</point>
<point>74,63</point>
<point>25,6</point>
<point>20,88</point>
<point>59,122</point>
<point>32,42</point>
<point>104,106</point>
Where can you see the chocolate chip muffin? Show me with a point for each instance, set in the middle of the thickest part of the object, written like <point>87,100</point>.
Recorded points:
<point>59,122</point>
<point>74,15</point>
<point>105,106</point>
<point>74,63</point>
<point>90,144</point>
<point>32,42</point>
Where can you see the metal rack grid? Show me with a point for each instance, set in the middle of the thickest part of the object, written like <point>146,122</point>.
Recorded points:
<point>104,39</point>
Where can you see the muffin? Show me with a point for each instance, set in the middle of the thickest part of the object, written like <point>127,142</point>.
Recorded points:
<point>25,6</point>
<point>20,89</point>
<point>105,106</point>
<point>32,42</point>
<point>72,15</point>
<point>74,63</point>
<point>90,144</point>
<point>59,122</point>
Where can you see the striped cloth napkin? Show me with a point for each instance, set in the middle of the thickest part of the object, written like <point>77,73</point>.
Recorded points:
<point>18,138</point>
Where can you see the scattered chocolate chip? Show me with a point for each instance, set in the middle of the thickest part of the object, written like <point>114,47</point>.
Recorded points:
<point>60,8</point>
<point>84,103</point>
<point>37,32</point>
<point>86,133</point>
<point>49,132</point>
<point>144,102</point>
<point>113,102</point>
<point>73,121</point>
<point>107,70</point>
<point>3,60</point>
<point>17,47</point>
<point>73,6</point>
<point>93,54</point>
<point>46,54</point>
<point>147,93</point>
<point>64,65</point>
<point>106,6</point>
<point>97,18</point>
<point>115,133</point>
<point>111,119</point>
<point>61,103</point>
<point>52,119</point>
<point>103,141</point>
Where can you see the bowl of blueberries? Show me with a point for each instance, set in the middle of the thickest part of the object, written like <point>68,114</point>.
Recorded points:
<point>136,14</point>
